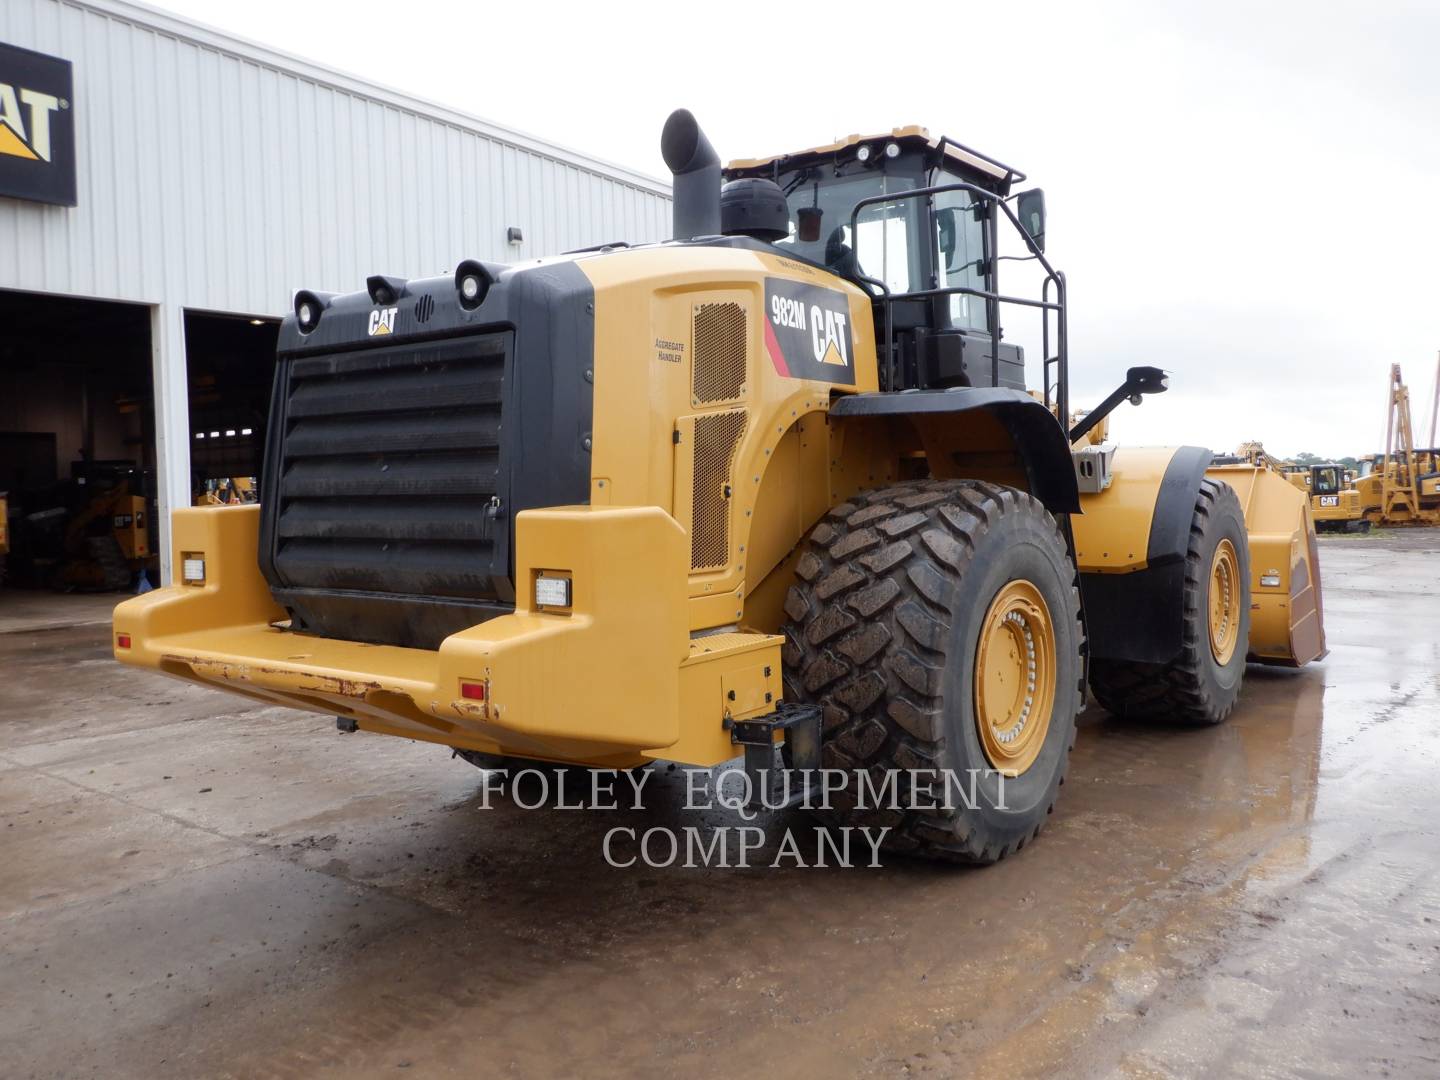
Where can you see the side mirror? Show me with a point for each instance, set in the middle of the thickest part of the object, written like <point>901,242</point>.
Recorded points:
<point>1030,209</point>
<point>1145,380</point>
<point>808,223</point>
<point>1139,381</point>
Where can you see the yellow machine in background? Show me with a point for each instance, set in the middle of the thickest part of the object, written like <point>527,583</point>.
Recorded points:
<point>1335,503</point>
<point>1404,486</point>
<point>107,543</point>
<point>777,483</point>
<point>228,491</point>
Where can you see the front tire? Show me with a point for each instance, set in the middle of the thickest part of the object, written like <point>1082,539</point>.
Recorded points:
<point>937,623</point>
<point>1201,685</point>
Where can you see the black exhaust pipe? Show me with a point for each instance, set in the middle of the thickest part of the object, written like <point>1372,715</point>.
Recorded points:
<point>696,170</point>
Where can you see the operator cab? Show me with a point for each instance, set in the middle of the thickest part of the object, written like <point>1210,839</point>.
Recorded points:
<point>915,220</point>
<point>1327,479</point>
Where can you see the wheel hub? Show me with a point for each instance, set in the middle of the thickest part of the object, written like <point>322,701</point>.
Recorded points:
<point>1015,678</point>
<point>1224,602</point>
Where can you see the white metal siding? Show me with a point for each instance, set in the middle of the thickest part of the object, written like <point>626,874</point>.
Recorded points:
<point>217,174</point>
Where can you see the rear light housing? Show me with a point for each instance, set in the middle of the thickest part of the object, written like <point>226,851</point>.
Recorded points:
<point>552,591</point>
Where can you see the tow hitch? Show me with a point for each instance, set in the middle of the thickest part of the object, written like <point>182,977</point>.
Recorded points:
<point>801,727</point>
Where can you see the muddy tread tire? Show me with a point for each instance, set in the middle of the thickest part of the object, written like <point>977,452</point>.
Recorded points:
<point>875,627</point>
<point>1192,689</point>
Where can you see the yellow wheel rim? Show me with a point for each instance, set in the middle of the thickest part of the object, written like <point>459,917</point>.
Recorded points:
<point>1015,678</point>
<point>1224,602</point>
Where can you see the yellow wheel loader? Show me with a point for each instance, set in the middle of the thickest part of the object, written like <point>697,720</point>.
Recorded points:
<point>775,483</point>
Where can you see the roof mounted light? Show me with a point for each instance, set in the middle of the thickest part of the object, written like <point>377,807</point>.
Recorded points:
<point>892,150</point>
<point>863,154</point>
<point>472,282</point>
<point>384,289</point>
<point>309,306</point>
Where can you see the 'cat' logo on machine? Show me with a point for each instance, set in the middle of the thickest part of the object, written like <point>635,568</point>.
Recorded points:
<point>807,331</point>
<point>382,321</point>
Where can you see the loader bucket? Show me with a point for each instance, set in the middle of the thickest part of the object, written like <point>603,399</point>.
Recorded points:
<point>1287,616</point>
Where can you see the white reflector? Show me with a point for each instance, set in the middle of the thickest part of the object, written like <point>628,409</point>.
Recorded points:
<point>552,592</point>
<point>194,570</point>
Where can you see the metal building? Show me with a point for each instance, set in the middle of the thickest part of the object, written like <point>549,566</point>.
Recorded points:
<point>193,181</point>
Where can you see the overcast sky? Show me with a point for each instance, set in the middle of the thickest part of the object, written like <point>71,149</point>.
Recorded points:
<point>1245,194</point>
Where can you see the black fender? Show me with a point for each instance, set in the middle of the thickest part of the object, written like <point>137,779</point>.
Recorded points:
<point>1038,438</point>
<point>1138,617</point>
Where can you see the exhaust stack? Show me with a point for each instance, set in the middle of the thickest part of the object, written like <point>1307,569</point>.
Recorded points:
<point>695,168</point>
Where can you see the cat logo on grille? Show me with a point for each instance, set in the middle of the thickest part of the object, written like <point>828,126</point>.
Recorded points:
<point>382,321</point>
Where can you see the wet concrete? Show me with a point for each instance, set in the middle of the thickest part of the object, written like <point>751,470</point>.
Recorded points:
<point>191,886</point>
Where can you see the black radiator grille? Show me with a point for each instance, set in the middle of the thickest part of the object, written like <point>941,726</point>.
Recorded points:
<point>389,463</point>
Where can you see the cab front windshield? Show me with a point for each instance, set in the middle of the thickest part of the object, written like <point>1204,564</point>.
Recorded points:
<point>885,227</point>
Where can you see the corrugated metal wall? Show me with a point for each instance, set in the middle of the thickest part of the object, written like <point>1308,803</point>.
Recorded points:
<point>216,174</point>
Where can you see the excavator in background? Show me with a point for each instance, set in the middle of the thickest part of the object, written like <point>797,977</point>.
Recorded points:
<point>1335,505</point>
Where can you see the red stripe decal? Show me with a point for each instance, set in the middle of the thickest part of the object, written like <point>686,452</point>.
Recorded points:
<point>773,345</point>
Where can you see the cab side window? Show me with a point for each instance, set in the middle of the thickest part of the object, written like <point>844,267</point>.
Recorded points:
<point>961,257</point>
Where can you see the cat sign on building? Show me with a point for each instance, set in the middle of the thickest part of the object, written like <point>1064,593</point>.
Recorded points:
<point>37,127</point>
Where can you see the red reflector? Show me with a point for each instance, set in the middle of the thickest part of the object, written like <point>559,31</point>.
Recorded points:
<point>475,691</point>
<point>122,640</point>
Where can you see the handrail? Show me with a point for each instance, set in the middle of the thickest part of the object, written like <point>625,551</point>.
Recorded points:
<point>1012,174</point>
<point>993,299</point>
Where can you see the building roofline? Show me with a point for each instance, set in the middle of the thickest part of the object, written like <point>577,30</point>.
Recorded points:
<point>206,36</point>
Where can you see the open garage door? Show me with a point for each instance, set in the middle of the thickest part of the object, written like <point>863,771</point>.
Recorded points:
<point>230,362</point>
<point>77,442</point>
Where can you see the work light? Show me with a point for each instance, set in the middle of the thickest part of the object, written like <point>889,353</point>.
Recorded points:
<point>309,306</point>
<point>472,282</point>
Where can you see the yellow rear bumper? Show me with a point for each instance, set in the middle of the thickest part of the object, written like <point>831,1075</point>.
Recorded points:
<point>614,681</point>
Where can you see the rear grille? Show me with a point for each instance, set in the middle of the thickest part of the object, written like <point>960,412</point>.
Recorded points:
<point>719,354</point>
<point>716,437</point>
<point>389,462</point>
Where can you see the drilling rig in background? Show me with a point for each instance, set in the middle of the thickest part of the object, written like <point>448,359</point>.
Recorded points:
<point>1404,486</point>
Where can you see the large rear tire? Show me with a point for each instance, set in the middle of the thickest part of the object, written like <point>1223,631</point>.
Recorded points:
<point>1201,685</point>
<point>937,623</point>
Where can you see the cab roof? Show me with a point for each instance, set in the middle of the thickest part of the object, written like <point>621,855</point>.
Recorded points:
<point>913,137</point>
